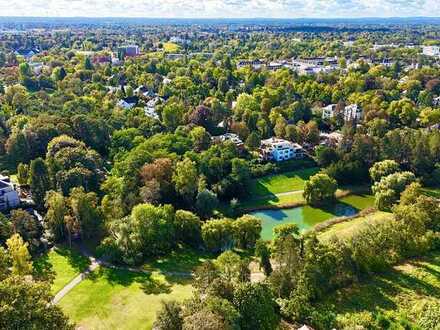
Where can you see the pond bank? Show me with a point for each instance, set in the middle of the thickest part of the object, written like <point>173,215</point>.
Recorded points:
<point>299,200</point>
<point>307,217</point>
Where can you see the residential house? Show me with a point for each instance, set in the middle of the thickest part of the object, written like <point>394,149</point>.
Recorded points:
<point>384,46</point>
<point>174,57</point>
<point>273,66</point>
<point>234,138</point>
<point>279,150</point>
<point>8,195</point>
<point>255,64</point>
<point>317,61</point>
<point>102,59</point>
<point>332,139</point>
<point>436,101</point>
<point>329,111</point>
<point>313,65</point>
<point>36,67</point>
<point>150,109</point>
<point>352,112</point>
<point>143,91</point>
<point>27,53</point>
<point>431,51</point>
<point>387,62</point>
<point>128,102</point>
<point>128,51</point>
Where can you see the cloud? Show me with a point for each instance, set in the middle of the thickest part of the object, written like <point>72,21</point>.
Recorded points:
<point>220,8</point>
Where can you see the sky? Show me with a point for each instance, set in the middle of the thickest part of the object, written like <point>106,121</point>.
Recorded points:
<point>221,8</point>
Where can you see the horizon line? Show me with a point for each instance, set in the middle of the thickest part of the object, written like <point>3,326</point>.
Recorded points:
<point>231,18</point>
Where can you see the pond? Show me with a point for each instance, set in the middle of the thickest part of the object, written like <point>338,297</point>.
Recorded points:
<point>306,216</point>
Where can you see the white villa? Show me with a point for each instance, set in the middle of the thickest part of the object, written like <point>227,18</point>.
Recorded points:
<point>431,50</point>
<point>280,150</point>
<point>352,112</point>
<point>436,101</point>
<point>8,195</point>
<point>329,111</point>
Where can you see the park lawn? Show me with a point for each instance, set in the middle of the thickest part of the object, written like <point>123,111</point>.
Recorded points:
<point>183,260</point>
<point>64,263</point>
<point>292,198</point>
<point>280,183</point>
<point>348,228</point>
<point>403,290</point>
<point>171,47</point>
<point>120,299</point>
<point>295,199</point>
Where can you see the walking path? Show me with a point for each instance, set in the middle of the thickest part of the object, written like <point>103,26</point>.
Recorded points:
<point>292,192</point>
<point>94,264</point>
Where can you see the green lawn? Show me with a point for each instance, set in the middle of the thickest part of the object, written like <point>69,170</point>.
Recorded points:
<point>291,198</point>
<point>295,199</point>
<point>349,228</point>
<point>63,263</point>
<point>171,47</point>
<point>183,260</point>
<point>279,183</point>
<point>119,299</point>
<point>406,290</point>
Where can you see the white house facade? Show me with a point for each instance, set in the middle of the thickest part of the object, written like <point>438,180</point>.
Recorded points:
<point>329,111</point>
<point>431,50</point>
<point>280,150</point>
<point>352,112</point>
<point>8,195</point>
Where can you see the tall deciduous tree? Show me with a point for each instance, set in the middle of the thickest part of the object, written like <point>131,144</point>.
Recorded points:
<point>39,180</point>
<point>27,305</point>
<point>320,188</point>
<point>21,259</point>
<point>185,178</point>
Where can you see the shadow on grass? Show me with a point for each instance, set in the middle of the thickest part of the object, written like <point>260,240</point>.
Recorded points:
<point>149,283</point>
<point>182,260</point>
<point>259,187</point>
<point>177,266</point>
<point>76,260</point>
<point>43,269</point>
<point>383,290</point>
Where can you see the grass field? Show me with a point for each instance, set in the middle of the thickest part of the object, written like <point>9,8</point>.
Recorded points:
<point>407,290</point>
<point>170,47</point>
<point>295,199</point>
<point>120,299</point>
<point>348,228</point>
<point>182,260</point>
<point>280,183</point>
<point>64,264</point>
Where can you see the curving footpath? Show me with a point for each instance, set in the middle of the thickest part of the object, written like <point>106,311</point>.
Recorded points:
<point>94,264</point>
